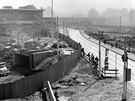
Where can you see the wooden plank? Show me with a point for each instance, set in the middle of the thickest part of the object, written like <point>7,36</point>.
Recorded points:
<point>110,73</point>
<point>51,94</point>
<point>111,70</point>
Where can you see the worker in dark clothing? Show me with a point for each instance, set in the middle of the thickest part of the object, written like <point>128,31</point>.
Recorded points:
<point>112,45</point>
<point>43,94</point>
<point>79,45</point>
<point>95,62</point>
<point>96,59</point>
<point>82,50</point>
<point>116,45</point>
<point>88,56</point>
<point>104,41</point>
<point>56,95</point>
<point>92,58</point>
<point>106,63</point>
<point>125,57</point>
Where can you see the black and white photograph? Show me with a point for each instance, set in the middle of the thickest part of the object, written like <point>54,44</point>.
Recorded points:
<point>67,50</point>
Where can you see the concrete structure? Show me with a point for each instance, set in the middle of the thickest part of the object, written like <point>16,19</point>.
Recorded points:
<point>20,14</point>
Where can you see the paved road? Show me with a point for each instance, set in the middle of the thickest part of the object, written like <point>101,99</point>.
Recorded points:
<point>91,45</point>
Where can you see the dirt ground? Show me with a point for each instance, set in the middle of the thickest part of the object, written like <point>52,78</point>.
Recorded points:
<point>82,84</point>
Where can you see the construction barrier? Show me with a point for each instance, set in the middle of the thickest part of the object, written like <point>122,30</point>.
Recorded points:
<point>30,84</point>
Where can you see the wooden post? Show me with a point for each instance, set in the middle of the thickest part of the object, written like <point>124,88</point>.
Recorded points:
<point>57,38</point>
<point>115,64</point>
<point>64,67</point>
<point>33,37</point>
<point>50,92</point>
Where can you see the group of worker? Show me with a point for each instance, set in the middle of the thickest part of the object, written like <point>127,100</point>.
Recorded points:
<point>92,60</point>
<point>112,44</point>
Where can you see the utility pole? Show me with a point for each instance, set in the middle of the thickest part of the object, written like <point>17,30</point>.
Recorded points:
<point>33,37</point>
<point>18,40</point>
<point>120,27</point>
<point>52,21</point>
<point>124,95</point>
<point>63,27</point>
<point>57,36</point>
<point>66,28</point>
<point>100,54</point>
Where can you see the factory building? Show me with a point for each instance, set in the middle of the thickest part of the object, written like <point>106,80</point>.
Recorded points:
<point>20,14</point>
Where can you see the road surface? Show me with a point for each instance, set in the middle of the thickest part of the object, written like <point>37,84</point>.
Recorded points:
<point>115,61</point>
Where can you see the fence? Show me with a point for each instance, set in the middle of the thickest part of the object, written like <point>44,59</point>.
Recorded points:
<point>115,61</point>
<point>69,41</point>
<point>38,57</point>
<point>32,83</point>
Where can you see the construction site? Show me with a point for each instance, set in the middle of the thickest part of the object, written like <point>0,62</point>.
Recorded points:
<point>63,58</point>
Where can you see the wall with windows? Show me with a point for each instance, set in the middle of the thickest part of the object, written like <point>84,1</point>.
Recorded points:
<point>20,14</point>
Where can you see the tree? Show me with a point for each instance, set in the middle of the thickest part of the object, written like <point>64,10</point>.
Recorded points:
<point>93,13</point>
<point>124,12</point>
<point>124,16</point>
<point>112,13</point>
<point>132,16</point>
<point>47,13</point>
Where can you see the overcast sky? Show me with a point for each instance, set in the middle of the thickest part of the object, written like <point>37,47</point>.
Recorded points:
<point>71,6</point>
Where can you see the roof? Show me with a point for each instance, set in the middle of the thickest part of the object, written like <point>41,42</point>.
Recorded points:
<point>21,9</point>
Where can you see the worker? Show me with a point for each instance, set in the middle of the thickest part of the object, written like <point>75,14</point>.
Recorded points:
<point>125,57</point>
<point>92,58</point>
<point>96,59</point>
<point>104,41</point>
<point>88,56</point>
<point>82,51</point>
<point>112,45</point>
<point>106,63</point>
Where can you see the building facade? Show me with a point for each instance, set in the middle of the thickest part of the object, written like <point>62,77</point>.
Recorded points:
<point>20,14</point>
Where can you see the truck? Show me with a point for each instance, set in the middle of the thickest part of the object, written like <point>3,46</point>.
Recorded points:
<point>3,69</point>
